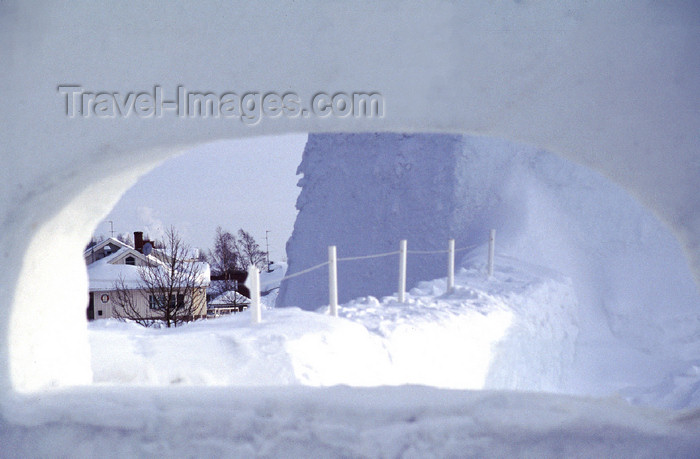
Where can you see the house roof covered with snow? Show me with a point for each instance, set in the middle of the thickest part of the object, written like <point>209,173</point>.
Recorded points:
<point>230,297</point>
<point>106,267</point>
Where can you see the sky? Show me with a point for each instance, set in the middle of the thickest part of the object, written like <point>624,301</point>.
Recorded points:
<point>245,183</point>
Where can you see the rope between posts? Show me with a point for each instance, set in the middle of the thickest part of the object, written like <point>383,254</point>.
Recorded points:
<point>299,273</point>
<point>365,257</point>
<point>333,272</point>
<point>432,252</point>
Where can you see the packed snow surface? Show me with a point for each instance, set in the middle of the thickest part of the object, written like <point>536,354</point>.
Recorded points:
<point>385,422</point>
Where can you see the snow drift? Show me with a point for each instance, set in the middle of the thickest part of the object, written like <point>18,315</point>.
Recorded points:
<point>515,331</point>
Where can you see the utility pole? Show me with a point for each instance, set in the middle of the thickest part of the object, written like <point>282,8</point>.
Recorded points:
<point>267,249</point>
<point>111,226</point>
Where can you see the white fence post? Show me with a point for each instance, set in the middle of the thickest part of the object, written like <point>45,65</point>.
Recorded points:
<point>402,270</point>
<point>332,280</point>
<point>492,246</point>
<point>451,266</point>
<point>254,276</point>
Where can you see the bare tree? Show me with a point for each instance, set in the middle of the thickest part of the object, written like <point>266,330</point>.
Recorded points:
<point>128,305</point>
<point>170,286</point>
<point>224,260</point>
<point>249,251</point>
<point>125,238</point>
<point>94,240</point>
<point>231,254</point>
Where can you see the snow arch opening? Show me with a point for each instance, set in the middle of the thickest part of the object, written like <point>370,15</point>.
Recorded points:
<point>612,85</point>
<point>608,85</point>
<point>527,193</point>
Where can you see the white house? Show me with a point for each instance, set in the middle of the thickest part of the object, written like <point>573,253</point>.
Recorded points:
<point>227,303</point>
<point>112,261</point>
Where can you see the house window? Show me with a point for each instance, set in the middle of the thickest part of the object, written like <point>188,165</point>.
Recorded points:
<point>156,302</point>
<point>130,261</point>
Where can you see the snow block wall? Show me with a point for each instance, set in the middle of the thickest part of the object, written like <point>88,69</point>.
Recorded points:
<point>365,192</point>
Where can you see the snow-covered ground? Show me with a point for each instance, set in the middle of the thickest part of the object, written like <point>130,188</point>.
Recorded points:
<point>517,330</point>
<point>513,331</point>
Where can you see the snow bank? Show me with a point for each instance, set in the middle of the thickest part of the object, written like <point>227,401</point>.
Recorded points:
<point>290,347</point>
<point>678,390</point>
<point>364,193</point>
<point>515,331</point>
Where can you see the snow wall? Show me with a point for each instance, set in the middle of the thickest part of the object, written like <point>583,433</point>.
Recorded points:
<point>612,85</point>
<point>365,192</point>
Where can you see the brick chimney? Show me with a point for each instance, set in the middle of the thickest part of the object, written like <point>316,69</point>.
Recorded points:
<point>138,241</point>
